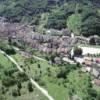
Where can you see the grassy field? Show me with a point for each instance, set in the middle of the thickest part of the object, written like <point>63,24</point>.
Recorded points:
<point>53,88</point>
<point>5,62</point>
<point>33,69</point>
<point>18,57</point>
<point>25,94</point>
<point>58,91</point>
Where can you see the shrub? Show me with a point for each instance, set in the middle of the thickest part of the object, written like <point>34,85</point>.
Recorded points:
<point>14,92</point>
<point>77,51</point>
<point>39,66</point>
<point>22,76</point>
<point>19,85</point>
<point>8,81</point>
<point>30,87</point>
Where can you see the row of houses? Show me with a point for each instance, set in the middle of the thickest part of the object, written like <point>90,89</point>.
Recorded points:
<point>54,41</point>
<point>44,43</point>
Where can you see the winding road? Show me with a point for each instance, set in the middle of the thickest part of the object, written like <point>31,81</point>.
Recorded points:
<point>45,92</point>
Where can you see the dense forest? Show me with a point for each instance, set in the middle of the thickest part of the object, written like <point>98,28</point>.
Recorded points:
<point>80,16</point>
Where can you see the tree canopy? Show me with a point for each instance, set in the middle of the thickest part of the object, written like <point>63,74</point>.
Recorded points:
<point>74,23</point>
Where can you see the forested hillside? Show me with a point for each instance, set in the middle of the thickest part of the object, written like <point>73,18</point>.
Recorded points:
<point>80,16</point>
<point>20,10</point>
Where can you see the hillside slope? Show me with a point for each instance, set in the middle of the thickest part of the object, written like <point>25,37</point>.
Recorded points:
<point>22,10</point>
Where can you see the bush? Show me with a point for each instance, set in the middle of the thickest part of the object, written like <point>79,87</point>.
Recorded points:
<point>30,87</point>
<point>14,92</point>
<point>7,48</point>
<point>2,97</point>
<point>8,81</point>
<point>41,83</point>
<point>19,85</point>
<point>77,51</point>
<point>39,66</point>
<point>22,76</point>
<point>92,41</point>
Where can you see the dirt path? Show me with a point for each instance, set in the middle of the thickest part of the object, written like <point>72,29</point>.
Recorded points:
<point>45,92</point>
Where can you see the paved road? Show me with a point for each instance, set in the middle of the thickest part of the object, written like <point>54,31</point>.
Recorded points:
<point>45,92</point>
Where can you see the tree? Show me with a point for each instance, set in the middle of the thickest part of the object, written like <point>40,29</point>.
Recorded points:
<point>19,93</point>
<point>8,81</point>
<point>3,90</point>
<point>77,51</point>
<point>85,21</point>
<point>66,69</point>
<point>30,87</point>
<point>57,18</point>
<point>10,41</point>
<point>23,11</point>
<point>22,76</point>
<point>91,26</point>
<point>19,85</point>
<point>14,92</point>
<point>92,41</point>
<point>39,66</point>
